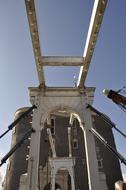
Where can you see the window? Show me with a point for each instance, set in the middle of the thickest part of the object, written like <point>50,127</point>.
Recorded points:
<point>52,130</point>
<point>52,127</point>
<point>100,163</point>
<point>75,143</point>
<point>97,149</point>
<point>52,122</point>
<point>75,131</point>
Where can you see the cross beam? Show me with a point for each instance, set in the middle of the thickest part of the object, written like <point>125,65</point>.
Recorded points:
<point>61,61</point>
<point>95,23</point>
<point>32,19</point>
<point>84,62</point>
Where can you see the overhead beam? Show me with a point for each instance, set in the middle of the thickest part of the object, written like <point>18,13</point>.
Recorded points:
<point>32,19</point>
<point>62,61</point>
<point>95,23</point>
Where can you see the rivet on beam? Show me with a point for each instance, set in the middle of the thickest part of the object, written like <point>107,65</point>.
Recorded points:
<point>27,157</point>
<point>33,33</point>
<point>39,64</point>
<point>32,24</point>
<point>40,69</point>
<point>85,70</point>
<point>93,43</point>
<point>99,14</point>
<point>36,42</point>
<point>95,34</point>
<point>30,12</point>
<point>103,1</point>
<point>91,51</point>
<point>97,25</point>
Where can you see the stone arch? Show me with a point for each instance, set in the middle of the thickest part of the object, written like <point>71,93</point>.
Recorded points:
<point>73,104</point>
<point>76,113</point>
<point>65,168</point>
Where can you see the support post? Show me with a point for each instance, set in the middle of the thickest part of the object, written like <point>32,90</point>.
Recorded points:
<point>69,142</point>
<point>91,159</point>
<point>33,163</point>
<point>53,175</point>
<point>72,179</point>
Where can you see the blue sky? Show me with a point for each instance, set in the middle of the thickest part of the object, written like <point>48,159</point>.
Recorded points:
<point>63,27</point>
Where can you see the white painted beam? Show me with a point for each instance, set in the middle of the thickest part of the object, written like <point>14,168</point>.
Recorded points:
<point>69,141</point>
<point>51,142</point>
<point>61,61</point>
<point>95,23</point>
<point>32,19</point>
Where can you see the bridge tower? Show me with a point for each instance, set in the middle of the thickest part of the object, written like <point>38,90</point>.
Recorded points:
<point>72,100</point>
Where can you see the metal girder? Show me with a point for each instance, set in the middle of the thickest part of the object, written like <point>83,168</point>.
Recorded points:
<point>95,23</point>
<point>32,19</point>
<point>61,61</point>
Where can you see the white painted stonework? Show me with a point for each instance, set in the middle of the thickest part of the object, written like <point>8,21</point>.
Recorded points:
<point>73,101</point>
<point>60,164</point>
<point>23,182</point>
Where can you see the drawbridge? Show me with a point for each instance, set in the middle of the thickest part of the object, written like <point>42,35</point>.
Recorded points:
<point>74,101</point>
<point>71,100</point>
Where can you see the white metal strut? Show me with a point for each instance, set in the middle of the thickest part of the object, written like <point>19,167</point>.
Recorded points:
<point>32,19</point>
<point>95,23</point>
